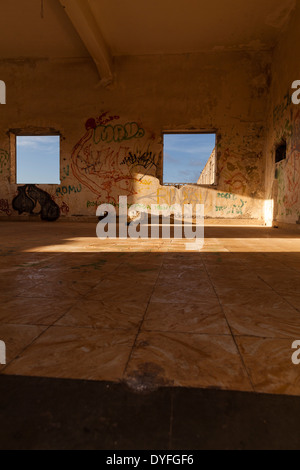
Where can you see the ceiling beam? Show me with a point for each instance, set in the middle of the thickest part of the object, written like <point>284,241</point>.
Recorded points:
<point>84,22</point>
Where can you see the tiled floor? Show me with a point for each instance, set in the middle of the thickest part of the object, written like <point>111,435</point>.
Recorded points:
<point>151,313</point>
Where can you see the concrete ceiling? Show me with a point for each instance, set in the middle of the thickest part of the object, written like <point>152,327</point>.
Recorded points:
<point>25,34</point>
<point>106,28</point>
<point>179,26</point>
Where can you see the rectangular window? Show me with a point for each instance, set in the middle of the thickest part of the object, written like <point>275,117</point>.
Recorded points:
<point>38,159</point>
<point>281,151</point>
<point>189,158</point>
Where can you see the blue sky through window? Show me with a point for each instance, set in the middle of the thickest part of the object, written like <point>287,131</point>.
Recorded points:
<point>38,159</point>
<point>185,156</point>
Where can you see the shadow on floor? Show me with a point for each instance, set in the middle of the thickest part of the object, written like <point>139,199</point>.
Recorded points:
<point>39,413</point>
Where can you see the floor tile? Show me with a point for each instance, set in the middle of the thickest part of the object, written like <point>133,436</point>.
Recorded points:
<point>231,296</point>
<point>98,314</point>
<point>293,300</point>
<point>271,318</point>
<point>269,362</point>
<point>120,291</point>
<point>33,311</point>
<point>179,274</point>
<point>187,360</point>
<point>283,283</point>
<point>101,292</point>
<point>203,318</point>
<point>17,338</point>
<point>16,288</point>
<point>77,353</point>
<point>61,289</point>
<point>189,293</point>
<point>229,283</point>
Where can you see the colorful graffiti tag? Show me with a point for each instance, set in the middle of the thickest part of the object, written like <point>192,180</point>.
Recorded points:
<point>103,162</point>
<point>29,196</point>
<point>231,204</point>
<point>288,175</point>
<point>118,133</point>
<point>71,189</point>
<point>238,176</point>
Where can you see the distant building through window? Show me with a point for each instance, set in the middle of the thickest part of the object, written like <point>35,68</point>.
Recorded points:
<point>208,175</point>
<point>189,159</point>
<point>38,159</point>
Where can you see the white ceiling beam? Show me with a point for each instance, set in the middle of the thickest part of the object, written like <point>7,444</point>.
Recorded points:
<point>84,22</point>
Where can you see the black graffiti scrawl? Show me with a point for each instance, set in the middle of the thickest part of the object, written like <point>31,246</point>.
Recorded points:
<point>29,196</point>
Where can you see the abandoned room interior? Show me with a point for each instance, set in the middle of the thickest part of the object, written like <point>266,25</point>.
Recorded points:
<point>149,343</point>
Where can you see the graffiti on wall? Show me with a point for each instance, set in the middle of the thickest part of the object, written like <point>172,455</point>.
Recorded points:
<point>65,172</point>
<point>237,175</point>
<point>111,157</point>
<point>295,139</point>
<point>29,197</point>
<point>231,204</point>
<point>4,206</point>
<point>71,189</point>
<point>288,174</point>
<point>4,160</point>
<point>184,195</point>
<point>64,209</point>
<point>92,204</point>
<point>146,160</point>
<point>117,133</point>
<point>237,209</point>
<point>291,198</point>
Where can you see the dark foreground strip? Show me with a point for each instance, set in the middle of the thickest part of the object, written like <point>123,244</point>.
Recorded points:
<point>40,413</point>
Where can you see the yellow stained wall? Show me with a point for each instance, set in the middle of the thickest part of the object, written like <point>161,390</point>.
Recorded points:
<point>104,156</point>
